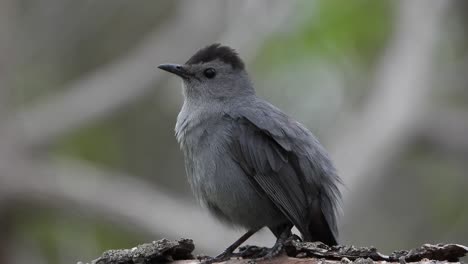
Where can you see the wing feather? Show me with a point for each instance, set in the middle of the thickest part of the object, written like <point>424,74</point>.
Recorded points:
<point>288,164</point>
<point>268,164</point>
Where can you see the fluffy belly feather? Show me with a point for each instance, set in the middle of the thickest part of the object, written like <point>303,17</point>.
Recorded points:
<point>231,195</point>
<point>219,183</point>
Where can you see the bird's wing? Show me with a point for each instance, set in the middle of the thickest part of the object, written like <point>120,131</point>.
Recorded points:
<point>288,164</point>
<point>270,166</point>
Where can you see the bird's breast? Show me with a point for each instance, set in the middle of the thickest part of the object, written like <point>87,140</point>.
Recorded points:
<point>216,178</point>
<point>203,141</point>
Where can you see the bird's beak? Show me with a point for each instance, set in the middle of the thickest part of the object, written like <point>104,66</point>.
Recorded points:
<point>175,69</point>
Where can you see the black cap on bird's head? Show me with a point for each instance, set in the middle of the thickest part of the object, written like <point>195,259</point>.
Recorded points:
<point>215,70</point>
<point>216,51</point>
<point>207,54</point>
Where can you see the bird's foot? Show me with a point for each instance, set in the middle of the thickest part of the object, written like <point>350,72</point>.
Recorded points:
<point>275,251</point>
<point>220,258</point>
<point>251,252</point>
<point>260,253</point>
<point>293,237</point>
<point>264,253</point>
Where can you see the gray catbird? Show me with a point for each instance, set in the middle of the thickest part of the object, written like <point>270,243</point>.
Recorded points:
<point>248,162</point>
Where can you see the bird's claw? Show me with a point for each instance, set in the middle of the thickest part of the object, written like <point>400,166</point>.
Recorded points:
<point>252,252</point>
<point>275,251</point>
<point>260,253</point>
<point>221,257</point>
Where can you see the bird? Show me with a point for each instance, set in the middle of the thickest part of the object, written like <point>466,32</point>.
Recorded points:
<point>250,164</point>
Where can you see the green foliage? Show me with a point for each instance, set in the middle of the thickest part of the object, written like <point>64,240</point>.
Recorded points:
<point>333,29</point>
<point>65,234</point>
<point>99,143</point>
<point>440,180</point>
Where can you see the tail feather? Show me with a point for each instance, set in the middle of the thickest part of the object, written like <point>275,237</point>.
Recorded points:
<point>320,228</point>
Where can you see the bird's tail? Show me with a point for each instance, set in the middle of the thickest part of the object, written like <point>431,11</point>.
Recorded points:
<point>322,226</point>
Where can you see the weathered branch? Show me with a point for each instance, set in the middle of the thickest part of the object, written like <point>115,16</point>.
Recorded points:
<point>157,251</point>
<point>296,252</point>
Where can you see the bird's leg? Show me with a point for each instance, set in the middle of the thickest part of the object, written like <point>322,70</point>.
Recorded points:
<point>282,233</point>
<point>228,252</point>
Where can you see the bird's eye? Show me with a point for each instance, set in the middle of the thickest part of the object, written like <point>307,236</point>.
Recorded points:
<point>210,73</point>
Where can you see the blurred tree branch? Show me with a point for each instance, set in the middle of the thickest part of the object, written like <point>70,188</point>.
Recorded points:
<point>101,93</point>
<point>7,54</point>
<point>108,194</point>
<point>401,91</point>
<point>109,88</point>
<point>447,129</point>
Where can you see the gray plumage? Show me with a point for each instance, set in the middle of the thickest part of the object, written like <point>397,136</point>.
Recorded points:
<point>247,161</point>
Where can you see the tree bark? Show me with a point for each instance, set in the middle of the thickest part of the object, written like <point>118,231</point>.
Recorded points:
<point>180,251</point>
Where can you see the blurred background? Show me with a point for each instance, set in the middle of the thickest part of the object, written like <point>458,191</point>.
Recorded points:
<point>88,157</point>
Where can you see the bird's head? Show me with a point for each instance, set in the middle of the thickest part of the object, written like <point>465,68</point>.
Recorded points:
<point>214,72</point>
